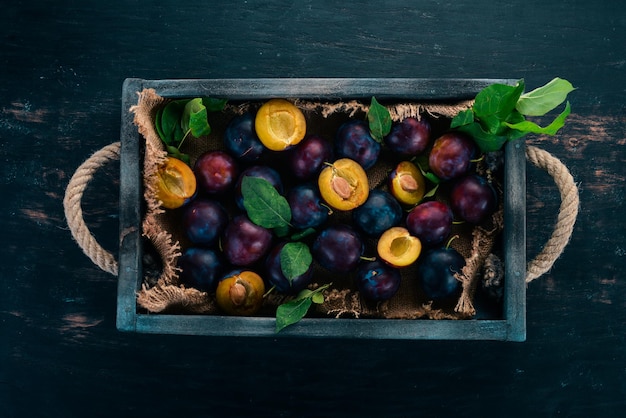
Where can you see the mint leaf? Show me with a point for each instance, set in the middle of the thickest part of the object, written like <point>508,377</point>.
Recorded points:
<point>543,99</point>
<point>552,129</point>
<point>379,120</point>
<point>265,206</point>
<point>464,117</point>
<point>295,259</point>
<point>291,312</point>
<point>194,118</point>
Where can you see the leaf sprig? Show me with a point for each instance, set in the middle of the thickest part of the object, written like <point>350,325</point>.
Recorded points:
<point>499,112</point>
<point>183,117</point>
<point>293,311</point>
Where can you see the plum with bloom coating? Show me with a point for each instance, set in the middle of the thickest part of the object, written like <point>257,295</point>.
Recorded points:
<point>338,248</point>
<point>354,141</point>
<point>377,280</point>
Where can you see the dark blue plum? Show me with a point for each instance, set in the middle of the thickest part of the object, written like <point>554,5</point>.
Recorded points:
<point>409,137</point>
<point>354,141</point>
<point>338,248</point>
<point>436,269</point>
<point>278,280</point>
<point>377,281</point>
<point>204,221</point>
<point>307,207</point>
<point>258,171</point>
<point>307,158</point>
<point>431,222</point>
<point>241,140</point>
<point>201,268</point>
<point>244,243</point>
<point>380,212</point>
<point>473,198</point>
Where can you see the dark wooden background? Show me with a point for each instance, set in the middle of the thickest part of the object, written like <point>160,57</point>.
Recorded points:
<point>62,66</point>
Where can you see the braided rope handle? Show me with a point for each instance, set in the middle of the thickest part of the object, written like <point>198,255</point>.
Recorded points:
<point>568,211</point>
<point>563,228</point>
<point>74,212</point>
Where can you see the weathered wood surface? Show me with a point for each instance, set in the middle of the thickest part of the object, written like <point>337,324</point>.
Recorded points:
<point>63,64</point>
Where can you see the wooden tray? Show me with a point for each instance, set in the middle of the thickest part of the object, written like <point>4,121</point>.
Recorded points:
<point>510,326</point>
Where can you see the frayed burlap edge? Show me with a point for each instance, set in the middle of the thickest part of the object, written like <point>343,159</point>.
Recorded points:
<point>397,111</point>
<point>470,275</point>
<point>174,299</point>
<point>346,303</point>
<point>167,295</point>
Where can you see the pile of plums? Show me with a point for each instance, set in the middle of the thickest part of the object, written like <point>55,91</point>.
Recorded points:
<point>326,185</point>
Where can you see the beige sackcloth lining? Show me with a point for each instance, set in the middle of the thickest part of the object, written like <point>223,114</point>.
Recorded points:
<point>342,299</point>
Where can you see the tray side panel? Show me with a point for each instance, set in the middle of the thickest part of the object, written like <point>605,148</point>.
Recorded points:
<point>515,240</point>
<point>130,271</point>
<point>397,329</point>
<point>326,88</point>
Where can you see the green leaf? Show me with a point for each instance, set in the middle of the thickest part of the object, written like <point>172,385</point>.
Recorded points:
<point>157,126</point>
<point>175,152</point>
<point>295,259</point>
<point>194,118</point>
<point>317,298</point>
<point>265,206</point>
<point>421,161</point>
<point>432,191</point>
<point>430,176</point>
<point>497,101</point>
<point>543,99</point>
<point>213,104</point>
<point>552,129</point>
<point>515,117</point>
<point>493,124</point>
<point>291,312</point>
<point>379,120</point>
<point>281,231</point>
<point>303,234</point>
<point>486,141</point>
<point>464,117</point>
<point>170,121</point>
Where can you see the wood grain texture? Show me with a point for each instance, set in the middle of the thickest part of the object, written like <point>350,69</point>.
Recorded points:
<point>63,64</point>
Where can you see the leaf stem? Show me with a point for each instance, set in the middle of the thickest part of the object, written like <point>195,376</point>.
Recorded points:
<point>183,140</point>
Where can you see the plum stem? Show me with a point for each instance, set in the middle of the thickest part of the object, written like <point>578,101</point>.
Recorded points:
<point>266,294</point>
<point>452,238</point>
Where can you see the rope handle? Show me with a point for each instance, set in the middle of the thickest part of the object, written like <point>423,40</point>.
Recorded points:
<point>74,212</point>
<point>551,251</point>
<point>568,211</point>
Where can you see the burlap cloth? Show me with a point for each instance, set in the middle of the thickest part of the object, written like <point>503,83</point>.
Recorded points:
<point>163,292</point>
